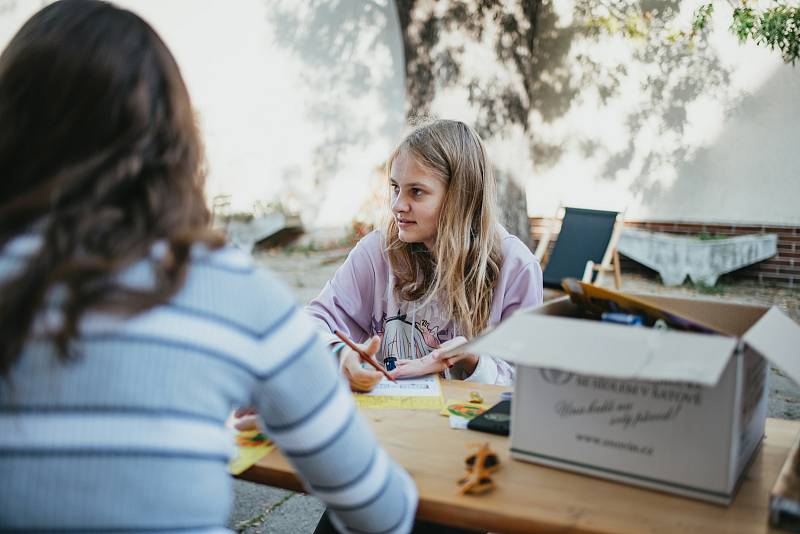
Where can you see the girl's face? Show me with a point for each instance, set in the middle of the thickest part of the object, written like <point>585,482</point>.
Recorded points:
<point>417,198</point>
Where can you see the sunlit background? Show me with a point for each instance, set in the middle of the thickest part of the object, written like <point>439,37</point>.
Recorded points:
<point>299,108</point>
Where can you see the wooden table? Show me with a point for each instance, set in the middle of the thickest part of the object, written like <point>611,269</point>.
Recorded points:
<point>532,498</point>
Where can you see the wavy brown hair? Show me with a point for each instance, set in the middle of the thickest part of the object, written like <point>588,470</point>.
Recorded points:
<point>100,156</point>
<point>461,271</point>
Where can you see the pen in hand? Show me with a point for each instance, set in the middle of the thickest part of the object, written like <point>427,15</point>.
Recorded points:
<point>363,355</point>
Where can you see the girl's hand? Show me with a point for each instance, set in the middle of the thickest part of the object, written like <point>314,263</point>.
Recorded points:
<point>360,379</point>
<point>245,419</point>
<point>431,363</point>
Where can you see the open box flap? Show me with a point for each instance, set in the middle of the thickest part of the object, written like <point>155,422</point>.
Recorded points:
<point>777,337</point>
<point>603,349</point>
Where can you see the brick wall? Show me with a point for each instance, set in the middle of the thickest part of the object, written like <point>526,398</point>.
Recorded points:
<point>783,269</point>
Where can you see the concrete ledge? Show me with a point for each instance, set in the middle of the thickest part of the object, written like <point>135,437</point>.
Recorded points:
<point>703,260</point>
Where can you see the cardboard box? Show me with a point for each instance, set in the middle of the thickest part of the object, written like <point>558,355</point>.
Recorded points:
<point>675,411</point>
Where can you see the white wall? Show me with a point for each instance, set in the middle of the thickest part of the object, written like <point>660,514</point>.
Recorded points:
<point>727,154</point>
<point>301,105</point>
<point>296,105</point>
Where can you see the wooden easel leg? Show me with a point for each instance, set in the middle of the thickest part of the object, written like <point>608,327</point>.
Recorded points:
<point>617,274</point>
<point>587,272</point>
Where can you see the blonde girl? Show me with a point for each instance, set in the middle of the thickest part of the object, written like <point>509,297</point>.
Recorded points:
<point>440,271</point>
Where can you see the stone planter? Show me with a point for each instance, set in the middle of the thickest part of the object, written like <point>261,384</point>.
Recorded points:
<point>703,260</point>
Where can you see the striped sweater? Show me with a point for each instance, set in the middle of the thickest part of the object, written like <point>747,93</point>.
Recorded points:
<point>130,436</point>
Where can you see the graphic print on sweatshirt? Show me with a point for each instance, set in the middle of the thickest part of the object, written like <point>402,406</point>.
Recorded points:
<point>408,335</point>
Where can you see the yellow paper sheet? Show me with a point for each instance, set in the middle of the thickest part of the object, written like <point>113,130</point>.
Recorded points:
<point>424,393</point>
<point>252,446</point>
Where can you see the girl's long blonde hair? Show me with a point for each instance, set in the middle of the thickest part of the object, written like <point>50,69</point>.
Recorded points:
<point>461,271</point>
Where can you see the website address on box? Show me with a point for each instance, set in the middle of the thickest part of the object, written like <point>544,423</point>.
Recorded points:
<point>614,444</point>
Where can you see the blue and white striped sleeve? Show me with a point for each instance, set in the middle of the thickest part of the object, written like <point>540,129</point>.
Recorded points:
<point>310,414</point>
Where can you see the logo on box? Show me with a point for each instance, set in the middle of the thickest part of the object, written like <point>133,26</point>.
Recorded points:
<point>558,378</point>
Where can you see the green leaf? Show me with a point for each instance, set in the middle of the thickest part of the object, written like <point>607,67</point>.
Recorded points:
<point>701,17</point>
<point>744,21</point>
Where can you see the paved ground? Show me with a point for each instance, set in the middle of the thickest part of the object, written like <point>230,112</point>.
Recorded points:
<point>261,509</point>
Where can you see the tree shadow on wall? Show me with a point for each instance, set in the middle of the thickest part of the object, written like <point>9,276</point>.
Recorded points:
<point>549,68</point>
<point>746,169</point>
<point>677,75</point>
<point>435,62</point>
<point>335,42</point>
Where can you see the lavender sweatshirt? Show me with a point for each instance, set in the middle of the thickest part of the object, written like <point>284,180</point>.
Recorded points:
<point>360,302</point>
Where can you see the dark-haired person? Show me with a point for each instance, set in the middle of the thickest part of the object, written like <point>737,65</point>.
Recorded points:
<point>127,330</point>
